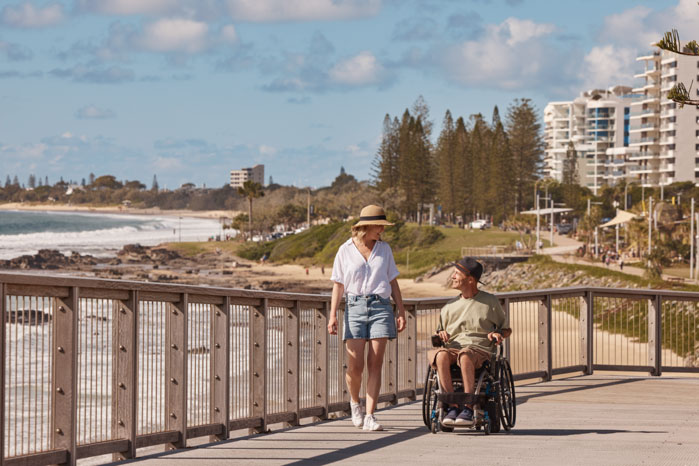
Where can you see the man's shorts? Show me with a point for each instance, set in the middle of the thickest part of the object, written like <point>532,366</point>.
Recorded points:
<point>477,357</point>
<point>369,317</point>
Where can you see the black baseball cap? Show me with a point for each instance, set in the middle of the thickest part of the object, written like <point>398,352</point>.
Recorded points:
<point>470,266</point>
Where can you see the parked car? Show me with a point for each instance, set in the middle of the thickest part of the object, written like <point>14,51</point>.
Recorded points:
<point>480,224</point>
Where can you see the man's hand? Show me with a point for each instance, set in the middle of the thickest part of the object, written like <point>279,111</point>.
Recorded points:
<point>443,335</point>
<point>495,336</point>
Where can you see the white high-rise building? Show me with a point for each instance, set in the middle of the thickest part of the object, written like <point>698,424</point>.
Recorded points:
<point>597,125</point>
<point>634,134</point>
<point>256,174</point>
<point>664,137</point>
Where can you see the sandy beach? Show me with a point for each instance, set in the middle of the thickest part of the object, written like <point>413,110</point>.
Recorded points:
<point>156,211</point>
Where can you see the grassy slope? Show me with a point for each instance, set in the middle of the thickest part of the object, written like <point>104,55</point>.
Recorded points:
<point>424,247</point>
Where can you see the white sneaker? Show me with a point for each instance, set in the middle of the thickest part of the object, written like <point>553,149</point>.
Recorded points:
<point>357,414</point>
<point>370,423</point>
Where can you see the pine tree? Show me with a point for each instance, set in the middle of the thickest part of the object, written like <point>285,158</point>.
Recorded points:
<point>46,181</point>
<point>15,181</point>
<point>570,176</point>
<point>92,179</point>
<point>480,166</point>
<point>447,161</point>
<point>32,181</point>
<point>154,186</point>
<point>464,169</point>
<point>527,146</point>
<point>8,183</point>
<point>500,161</point>
<point>385,165</point>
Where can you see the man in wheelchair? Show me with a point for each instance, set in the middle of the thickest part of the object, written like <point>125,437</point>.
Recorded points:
<point>470,326</point>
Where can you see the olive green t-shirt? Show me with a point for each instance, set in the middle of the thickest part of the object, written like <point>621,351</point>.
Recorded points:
<point>469,321</point>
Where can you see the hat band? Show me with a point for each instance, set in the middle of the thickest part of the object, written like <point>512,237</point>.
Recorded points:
<point>373,217</point>
<point>462,268</point>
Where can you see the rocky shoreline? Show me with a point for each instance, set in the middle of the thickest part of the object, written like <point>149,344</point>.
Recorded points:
<point>163,265</point>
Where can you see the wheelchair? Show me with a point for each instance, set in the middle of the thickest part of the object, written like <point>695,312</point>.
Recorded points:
<point>493,399</point>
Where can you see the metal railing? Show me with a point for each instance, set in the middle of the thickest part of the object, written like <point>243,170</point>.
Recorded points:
<point>97,367</point>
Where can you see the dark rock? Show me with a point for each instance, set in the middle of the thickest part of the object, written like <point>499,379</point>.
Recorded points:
<point>27,317</point>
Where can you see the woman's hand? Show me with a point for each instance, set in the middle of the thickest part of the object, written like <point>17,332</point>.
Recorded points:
<point>400,322</point>
<point>332,325</point>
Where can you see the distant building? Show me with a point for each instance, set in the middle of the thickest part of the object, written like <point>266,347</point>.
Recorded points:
<point>597,123</point>
<point>256,174</point>
<point>637,135</point>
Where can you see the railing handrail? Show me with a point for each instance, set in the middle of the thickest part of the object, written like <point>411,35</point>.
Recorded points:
<point>280,313</point>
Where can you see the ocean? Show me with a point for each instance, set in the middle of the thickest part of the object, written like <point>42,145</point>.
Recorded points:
<point>100,235</point>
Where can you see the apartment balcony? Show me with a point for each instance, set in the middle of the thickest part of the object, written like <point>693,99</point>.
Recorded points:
<point>642,170</point>
<point>644,127</point>
<point>667,140</point>
<point>637,156</point>
<point>667,168</point>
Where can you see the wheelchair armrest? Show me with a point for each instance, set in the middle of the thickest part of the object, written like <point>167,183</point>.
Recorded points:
<point>436,341</point>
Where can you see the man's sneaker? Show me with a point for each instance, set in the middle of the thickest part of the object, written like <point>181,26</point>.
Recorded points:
<point>370,423</point>
<point>450,417</point>
<point>357,414</point>
<point>465,418</point>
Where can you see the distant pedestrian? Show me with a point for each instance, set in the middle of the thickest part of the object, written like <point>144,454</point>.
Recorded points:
<point>322,269</point>
<point>364,270</point>
<point>621,264</point>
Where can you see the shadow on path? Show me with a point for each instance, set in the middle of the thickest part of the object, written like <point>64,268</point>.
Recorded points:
<point>521,399</point>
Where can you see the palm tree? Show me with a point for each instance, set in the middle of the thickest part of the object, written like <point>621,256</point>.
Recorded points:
<point>251,190</point>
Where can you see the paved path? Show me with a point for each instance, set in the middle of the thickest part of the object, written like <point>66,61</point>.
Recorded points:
<point>583,420</point>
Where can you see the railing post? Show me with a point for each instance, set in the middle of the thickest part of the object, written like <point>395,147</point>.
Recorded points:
<point>544,351</point>
<point>125,369</point>
<point>258,365</point>
<point>220,366</point>
<point>505,303</point>
<point>392,369</point>
<point>65,375</point>
<point>176,371</point>
<point>3,320</point>
<point>586,313</point>
<point>411,366</point>
<point>342,364</point>
<point>321,360</point>
<point>655,306</point>
<point>291,362</point>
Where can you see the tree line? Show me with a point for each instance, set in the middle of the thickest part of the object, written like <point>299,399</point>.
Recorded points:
<point>475,168</point>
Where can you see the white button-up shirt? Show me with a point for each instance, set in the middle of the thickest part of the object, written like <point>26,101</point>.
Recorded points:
<point>364,277</point>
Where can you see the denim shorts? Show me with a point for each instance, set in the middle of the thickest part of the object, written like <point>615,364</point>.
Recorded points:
<point>369,317</point>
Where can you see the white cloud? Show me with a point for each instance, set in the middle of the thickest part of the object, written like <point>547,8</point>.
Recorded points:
<point>229,34</point>
<point>515,54</point>
<point>521,30</point>
<point>301,10</point>
<point>267,150</point>
<point>174,35</point>
<point>26,15</point>
<point>127,7</point>
<point>608,66</point>
<point>359,70</point>
<point>91,112</point>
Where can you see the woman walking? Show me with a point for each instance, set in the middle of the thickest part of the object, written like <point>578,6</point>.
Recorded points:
<point>364,271</point>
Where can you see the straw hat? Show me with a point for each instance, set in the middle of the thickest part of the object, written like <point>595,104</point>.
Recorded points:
<point>372,215</point>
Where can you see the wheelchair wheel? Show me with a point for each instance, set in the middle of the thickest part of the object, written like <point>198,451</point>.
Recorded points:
<point>429,397</point>
<point>506,395</point>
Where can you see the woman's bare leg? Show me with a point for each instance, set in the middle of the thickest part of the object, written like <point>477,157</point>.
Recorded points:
<point>377,348</point>
<point>355,367</point>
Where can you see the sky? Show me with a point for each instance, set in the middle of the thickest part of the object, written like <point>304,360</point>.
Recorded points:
<point>187,90</point>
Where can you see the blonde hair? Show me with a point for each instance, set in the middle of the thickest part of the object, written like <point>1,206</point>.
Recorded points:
<point>359,231</point>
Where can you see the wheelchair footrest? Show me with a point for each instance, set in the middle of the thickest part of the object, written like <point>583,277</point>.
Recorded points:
<point>461,398</point>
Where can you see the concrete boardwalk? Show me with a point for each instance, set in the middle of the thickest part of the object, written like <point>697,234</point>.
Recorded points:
<point>581,420</point>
